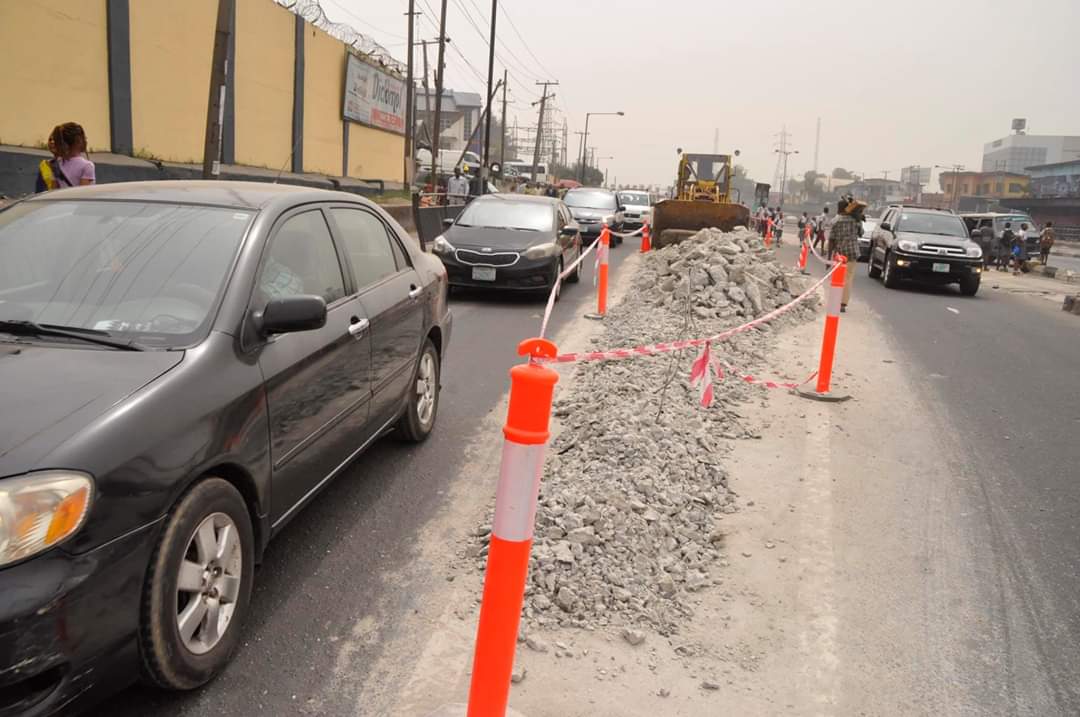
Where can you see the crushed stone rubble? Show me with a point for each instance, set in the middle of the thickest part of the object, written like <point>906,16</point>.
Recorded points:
<point>633,490</point>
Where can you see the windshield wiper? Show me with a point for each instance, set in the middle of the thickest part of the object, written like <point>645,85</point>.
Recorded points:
<point>93,336</point>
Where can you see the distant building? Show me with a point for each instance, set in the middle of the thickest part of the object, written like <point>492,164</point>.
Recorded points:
<point>877,192</point>
<point>1016,152</point>
<point>1054,196</point>
<point>986,185</point>
<point>459,115</point>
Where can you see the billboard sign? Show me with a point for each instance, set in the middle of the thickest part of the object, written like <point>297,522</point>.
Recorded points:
<point>373,97</point>
<point>915,175</point>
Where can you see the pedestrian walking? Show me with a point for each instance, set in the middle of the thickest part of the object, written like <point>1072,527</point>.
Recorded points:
<point>457,188</point>
<point>69,166</point>
<point>1019,249</point>
<point>822,224</point>
<point>844,240</point>
<point>1046,242</point>
<point>1004,247</point>
<point>779,226</point>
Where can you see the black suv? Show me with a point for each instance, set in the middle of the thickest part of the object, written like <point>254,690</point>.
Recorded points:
<point>931,245</point>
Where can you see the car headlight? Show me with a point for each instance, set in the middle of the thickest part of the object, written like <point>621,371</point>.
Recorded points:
<point>41,510</point>
<point>441,246</point>
<point>907,245</point>
<point>974,251</point>
<point>542,251</point>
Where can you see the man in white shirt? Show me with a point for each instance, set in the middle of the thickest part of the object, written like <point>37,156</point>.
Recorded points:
<point>457,188</point>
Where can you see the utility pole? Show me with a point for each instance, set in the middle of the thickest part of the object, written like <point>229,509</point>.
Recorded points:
<point>540,125</point>
<point>439,72</point>
<point>215,108</point>
<point>782,156</point>
<point>716,141</point>
<point>885,173</point>
<point>502,141</point>
<point>427,99</point>
<point>581,152</point>
<point>817,143</point>
<point>565,139</point>
<point>410,89</point>
<point>487,123</point>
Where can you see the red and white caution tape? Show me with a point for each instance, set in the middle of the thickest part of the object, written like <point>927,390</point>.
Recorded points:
<point>668,347</point>
<point>627,235</point>
<point>558,282</point>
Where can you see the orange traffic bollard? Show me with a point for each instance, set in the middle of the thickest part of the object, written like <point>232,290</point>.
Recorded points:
<point>828,341</point>
<point>646,243</point>
<point>768,232</point>
<point>804,255</point>
<point>602,274</point>
<point>526,435</point>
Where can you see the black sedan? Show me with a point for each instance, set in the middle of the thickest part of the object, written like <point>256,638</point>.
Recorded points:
<point>510,241</point>
<point>183,365</point>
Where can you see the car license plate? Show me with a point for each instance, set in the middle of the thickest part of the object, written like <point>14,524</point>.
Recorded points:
<point>487,273</point>
<point>942,268</point>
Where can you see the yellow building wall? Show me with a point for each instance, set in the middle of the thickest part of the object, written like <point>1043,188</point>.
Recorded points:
<point>265,41</point>
<point>324,82</point>
<point>375,154</point>
<point>41,87</point>
<point>171,47</point>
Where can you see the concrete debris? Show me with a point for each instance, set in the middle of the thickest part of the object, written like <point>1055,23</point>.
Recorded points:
<point>634,487</point>
<point>536,644</point>
<point>518,674</point>
<point>710,685</point>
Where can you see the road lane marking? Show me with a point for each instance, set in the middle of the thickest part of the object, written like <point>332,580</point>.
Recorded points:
<point>955,311</point>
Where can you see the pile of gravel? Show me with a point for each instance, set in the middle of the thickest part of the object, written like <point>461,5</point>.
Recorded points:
<point>634,485</point>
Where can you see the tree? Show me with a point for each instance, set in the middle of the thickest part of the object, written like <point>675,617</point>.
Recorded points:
<point>841,173</point>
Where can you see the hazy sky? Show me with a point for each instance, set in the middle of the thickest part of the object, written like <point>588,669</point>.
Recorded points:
<point>894,83</point>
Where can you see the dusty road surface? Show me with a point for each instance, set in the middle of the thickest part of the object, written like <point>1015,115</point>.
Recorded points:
<point>913,551</point>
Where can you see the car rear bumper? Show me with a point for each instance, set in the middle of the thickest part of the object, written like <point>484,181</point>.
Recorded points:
<point>922,268</point>
<point>68,625</point>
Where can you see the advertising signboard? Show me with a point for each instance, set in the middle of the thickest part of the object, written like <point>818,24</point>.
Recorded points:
<point>373,97</point>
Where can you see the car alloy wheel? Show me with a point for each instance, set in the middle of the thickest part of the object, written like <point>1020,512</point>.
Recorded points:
<point>426,390</point>
<point>208,583</point>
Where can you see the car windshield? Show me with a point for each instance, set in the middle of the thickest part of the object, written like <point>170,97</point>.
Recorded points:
<point>942,224</point>
<point>590,199</point>
<point>148,272</point>
<point>640,199</point>
<point>499,213</point>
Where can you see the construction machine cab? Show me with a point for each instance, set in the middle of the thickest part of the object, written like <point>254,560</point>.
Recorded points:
<point>704,177</point>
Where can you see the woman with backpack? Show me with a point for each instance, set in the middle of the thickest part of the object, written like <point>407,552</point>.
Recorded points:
<point>69,166</point>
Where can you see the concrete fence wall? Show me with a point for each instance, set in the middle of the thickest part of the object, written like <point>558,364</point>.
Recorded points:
<point>136,74</point>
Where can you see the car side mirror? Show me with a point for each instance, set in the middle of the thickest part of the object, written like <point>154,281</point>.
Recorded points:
<point>886,226</point>
<point>287,314</point>
<point>621,208</point>
<point>448,221</point>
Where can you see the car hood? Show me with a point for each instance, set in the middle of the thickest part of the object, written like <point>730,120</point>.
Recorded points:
<point>50,393</point>
<point>590,213</point>
<point>479,238</point>
<point>932,239</point>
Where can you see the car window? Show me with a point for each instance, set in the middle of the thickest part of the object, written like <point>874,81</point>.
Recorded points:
<point>932,223</point>
<point>590,199</point>
<point>367,245</point>
<point>302,260</point>
<point>399,253</point>
<point>498,212</point>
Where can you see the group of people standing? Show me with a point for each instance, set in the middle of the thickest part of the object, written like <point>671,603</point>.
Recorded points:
<point>1012,247</point>
<point>770,218</point>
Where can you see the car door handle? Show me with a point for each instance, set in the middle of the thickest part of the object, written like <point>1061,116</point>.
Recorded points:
<point>358,327</point>
<point>415,292</point>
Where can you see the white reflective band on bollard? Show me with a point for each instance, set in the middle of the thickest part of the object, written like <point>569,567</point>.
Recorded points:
<point>515,496</point>
<point>603,255</point>
<point>836,296</point>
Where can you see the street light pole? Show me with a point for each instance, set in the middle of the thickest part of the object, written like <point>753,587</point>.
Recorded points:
<point>783,182</point>
<point>585,141</point>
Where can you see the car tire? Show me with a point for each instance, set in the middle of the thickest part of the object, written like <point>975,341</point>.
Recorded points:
<point>889,276</point>
<point>871,268</point>
<point>576,276</point>
<point>416,424</point>
<point>209,528</point>
<point>969,286</point>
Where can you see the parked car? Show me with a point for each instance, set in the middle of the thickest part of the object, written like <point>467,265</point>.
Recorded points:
<point>926,244</point>
<point>987,228</point>
<point>593,207</point>
<point>510,241</point>
<point>637,208</point>
<point>868,227</point>
<point>184,366</point>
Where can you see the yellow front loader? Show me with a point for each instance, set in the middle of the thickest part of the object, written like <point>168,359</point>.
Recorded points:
<point>702,200</point>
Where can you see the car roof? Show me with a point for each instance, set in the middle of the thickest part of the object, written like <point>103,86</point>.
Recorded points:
<point>921,209</point>
<point>238,195</point>
<point>590,189</point>
<point>518,198</point>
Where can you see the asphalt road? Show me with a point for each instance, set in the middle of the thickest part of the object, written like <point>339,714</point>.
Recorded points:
<point>1070,260</point>
<point>343,558</point>
<point>1000,367</point>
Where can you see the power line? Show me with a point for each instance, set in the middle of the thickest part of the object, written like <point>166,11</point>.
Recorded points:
<point>357,18</point>
<point>520,67</point>
<point>525,44</point>
<point>499,41</point>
